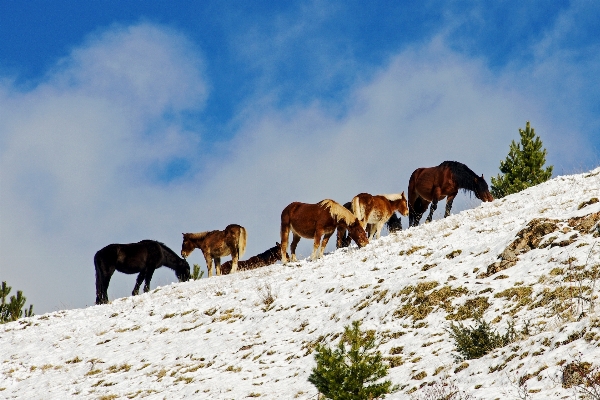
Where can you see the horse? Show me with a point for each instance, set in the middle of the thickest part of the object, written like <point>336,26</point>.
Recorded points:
<point>317,221</point>
<point>268,257</point>
<point>374,211</point>
<point>142,257</point>
<point>217,244</point>
<point>430,185</point>
<point>394,224</point>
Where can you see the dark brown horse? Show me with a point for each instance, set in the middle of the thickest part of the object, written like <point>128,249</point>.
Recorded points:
<point>263,259</point>
<point>217,244</point>
<point>317,221</point>
<point>135,258</point>
<point>430,185</point>
<point>374,211</point>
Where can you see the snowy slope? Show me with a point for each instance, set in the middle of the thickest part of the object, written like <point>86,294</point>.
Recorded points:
<point>220,338</point>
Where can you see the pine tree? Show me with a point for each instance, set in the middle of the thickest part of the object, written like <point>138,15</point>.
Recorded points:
<point>523,166</point>
<point>13,310</point>
<point>342,374</point>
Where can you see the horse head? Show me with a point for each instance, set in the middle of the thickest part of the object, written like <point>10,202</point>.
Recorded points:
<point>403,207</point>
<point>187,246</point>
<point>482,191</point>
<point>183,271</point>
<point>358,234</point>
<point>190,242</point>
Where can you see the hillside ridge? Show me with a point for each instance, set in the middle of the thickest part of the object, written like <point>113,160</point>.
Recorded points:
<point>252,334</point>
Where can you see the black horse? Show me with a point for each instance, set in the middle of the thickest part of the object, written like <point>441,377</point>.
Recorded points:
<point>142,257</point>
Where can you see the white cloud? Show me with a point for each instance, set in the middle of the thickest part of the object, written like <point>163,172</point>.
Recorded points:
<point>75,151</point>
<point>76,148</point>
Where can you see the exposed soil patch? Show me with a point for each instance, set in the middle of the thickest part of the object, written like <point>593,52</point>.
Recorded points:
<point>532,237</point>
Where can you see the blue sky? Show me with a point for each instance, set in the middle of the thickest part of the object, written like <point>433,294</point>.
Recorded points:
<point>121,121</point>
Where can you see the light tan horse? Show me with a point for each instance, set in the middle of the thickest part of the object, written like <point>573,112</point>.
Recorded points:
<point>217,244</point>
<point>374,211</point>
<point>317,221</point>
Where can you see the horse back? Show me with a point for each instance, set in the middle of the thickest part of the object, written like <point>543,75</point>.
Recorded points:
<point>423,181</point>
<point>304,219</point>
<point>128,258</point>
<point>382,205</point>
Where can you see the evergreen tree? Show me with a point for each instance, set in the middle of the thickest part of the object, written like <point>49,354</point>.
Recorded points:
<point>523,166</point>
<point>12,310</point>
<point>342,374</point>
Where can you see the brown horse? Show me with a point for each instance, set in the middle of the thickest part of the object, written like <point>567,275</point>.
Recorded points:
<point>317,221</point>
<point>263,259</point>
<point>217,244</point>
<point>374,211</point>
<point>430,185</point>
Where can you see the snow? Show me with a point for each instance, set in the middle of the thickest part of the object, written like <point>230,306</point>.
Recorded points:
<point>219,338</point>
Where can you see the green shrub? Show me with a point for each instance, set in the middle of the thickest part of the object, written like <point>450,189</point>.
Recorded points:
<point>197,274</point>
<point>353,369</point>
<point>523,166</point>
<point>13,310</point>
<point>475,342</point>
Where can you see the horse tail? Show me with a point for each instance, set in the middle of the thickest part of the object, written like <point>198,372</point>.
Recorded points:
<point>99,265</point>
<point>242,242</point>
<point>357,209</point>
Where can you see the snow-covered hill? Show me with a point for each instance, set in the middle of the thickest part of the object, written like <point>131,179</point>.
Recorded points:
<point>526,258</point>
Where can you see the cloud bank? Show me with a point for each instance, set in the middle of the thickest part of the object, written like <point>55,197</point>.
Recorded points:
<point>84,153</point>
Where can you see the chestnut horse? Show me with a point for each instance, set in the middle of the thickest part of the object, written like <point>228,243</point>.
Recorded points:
<point>317,221</point>
<point>263,259</point>
<point>140,258</point>
<point>217,244</point>
<point>374,211</point>
<point>394,224</point>
<point>430,185</point>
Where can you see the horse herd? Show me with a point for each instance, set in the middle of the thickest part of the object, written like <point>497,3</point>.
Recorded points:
<point>358,220</point>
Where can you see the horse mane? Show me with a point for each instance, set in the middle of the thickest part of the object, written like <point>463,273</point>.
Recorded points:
<point>393,196</point>
<point>169,250</point>
<point>463,175</point>
<point>338,211</point>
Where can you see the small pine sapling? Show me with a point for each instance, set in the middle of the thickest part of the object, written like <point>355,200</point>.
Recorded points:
<point>197,273</point>
<point>523,166</point>
<point>353,370</point>
<point>12,310</point>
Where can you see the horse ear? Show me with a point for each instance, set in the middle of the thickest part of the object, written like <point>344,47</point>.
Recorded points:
<point>482,177</point>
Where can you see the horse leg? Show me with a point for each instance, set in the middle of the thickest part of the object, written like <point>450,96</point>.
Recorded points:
<point>432,209</point>
<point>415,213</point>
<point>285,234</point>
<point>437,193</point>
<point>148,278</point>
<point>324,244</point>
<point>138,283</point>
<point>218,266</point>
<point>295,240</point>
<point>235,257</point>
<point>449,201</point>
<point>208,259</point>
<point>316,244</point>
<point>341,236</point>
<point>102,281</point>
<point>378,226</point>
